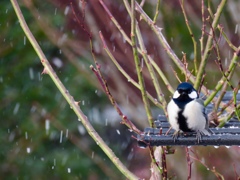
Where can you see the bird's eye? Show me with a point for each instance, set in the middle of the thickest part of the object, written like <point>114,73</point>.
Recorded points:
<point>189,91</point>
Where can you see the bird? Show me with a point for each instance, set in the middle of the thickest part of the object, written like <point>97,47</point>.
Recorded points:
<point>186,112</point>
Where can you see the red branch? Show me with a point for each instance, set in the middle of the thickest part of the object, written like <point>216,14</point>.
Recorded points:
<point>189,163</point>
<point>104,85</point>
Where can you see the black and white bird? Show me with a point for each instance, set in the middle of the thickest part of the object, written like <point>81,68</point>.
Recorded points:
<point>186,112</point>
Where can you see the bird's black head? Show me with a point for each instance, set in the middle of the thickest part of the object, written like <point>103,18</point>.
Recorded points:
<point>185,93</point>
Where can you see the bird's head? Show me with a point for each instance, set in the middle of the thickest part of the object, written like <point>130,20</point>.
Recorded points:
<point>185,92</point>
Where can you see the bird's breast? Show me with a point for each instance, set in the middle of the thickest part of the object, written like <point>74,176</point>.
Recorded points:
<point>193,112</point>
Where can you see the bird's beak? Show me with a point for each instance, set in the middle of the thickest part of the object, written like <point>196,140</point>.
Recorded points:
<point>184,93</point>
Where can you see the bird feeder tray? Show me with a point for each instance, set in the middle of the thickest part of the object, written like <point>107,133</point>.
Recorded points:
<point>228,135</point>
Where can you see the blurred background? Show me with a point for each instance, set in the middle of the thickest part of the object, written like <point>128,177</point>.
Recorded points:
<point>41,137</point>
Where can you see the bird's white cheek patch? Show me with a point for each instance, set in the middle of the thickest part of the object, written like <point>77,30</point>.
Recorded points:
<point>193,95</point>
<point>176,95</point>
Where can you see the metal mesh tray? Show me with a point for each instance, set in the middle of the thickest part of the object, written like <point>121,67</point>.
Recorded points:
<point>228,135</point>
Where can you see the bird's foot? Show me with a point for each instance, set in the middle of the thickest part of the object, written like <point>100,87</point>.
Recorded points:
<point>175,135</point>
<point>199,136</point>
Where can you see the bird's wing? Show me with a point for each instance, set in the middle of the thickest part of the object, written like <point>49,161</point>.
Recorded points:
<point>206,131</point>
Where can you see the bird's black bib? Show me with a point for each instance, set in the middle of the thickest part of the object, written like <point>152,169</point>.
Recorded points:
<point>182,121</point>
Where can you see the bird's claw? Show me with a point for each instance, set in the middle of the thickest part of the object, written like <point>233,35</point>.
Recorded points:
<point>199,136</point>
<point>175,135</point>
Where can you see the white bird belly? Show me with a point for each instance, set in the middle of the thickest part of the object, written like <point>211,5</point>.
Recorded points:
<point>194,114</point>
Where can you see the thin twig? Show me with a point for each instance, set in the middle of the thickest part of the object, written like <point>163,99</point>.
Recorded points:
<point>226,38</point>
<point>203,29</point>
<point>185,63</point>
<point>164,163</point>
<point>138,65</point>
<point>157,12</point>
<point>176,75</point>
<point>189,163</point>
<point>192,36</point>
